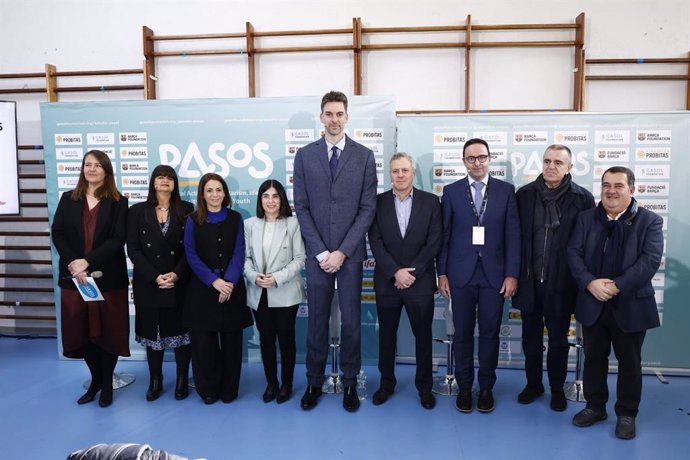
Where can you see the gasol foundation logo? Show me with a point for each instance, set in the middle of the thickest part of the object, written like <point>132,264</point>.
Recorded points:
<point>376,148</point>
<point>135,181</point>
<point>68,139</point>
<point>69,168</point>
<point>133,138</point>
<point>67,182</point>
<point>299,135</point>
<point>530,138</point>
<point>456,138</point>
<point>617,155</point>
<point>134,153</point>
<point>100,138</point>
<point>654,136</point>
<point>571,137</point>
<point>612,137</point>
<point>653,154</point>
<point>493,137</point>
<point>69,154</point>
<point>368,134</point>
<point>448,156</point>
<point>652,171</point>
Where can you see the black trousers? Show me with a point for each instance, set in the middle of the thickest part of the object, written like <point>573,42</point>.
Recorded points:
<point>533,341</point>
<point>420,311</point>
<point>627,347</point>
<point>277,323</point>
<point>217,363</point>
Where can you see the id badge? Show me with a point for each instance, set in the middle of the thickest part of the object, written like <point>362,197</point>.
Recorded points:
<point>478,236</point>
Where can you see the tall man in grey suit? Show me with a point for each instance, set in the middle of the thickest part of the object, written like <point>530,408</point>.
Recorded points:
<point>405,239</point>
<point>335,201</point>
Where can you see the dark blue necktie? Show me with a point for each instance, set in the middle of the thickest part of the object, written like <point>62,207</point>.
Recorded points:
<point>334,161</point>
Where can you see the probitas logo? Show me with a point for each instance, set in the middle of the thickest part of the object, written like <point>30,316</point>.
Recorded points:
<point>219,159</point>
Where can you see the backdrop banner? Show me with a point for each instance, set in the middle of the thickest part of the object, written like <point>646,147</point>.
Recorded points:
<point>653,145</point>
<point>244,140</point>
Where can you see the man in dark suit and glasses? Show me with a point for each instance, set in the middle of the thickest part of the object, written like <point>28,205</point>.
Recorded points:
<point>405,238</point>
<point>335,202</point>
<point>478,268</point>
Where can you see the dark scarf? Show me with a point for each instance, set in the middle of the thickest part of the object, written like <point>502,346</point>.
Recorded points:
<point>611,243</point>
<point>552,198</point>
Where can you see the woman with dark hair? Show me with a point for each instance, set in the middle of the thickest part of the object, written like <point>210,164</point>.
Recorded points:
<point>215,308</point>
<point>88,231</point>
<point>274,259</point>
<point>155,244</point>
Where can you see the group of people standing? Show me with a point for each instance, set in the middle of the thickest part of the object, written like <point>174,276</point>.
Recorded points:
<point>548,247</point>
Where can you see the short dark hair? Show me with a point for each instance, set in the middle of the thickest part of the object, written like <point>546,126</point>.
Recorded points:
<point>284,210</point>
<point>621,169</point>
<point>334,96</point>
<point>560,147</point>
<point>473,141</point>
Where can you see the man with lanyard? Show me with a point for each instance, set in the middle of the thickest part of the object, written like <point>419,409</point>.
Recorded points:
<point>478,268</point>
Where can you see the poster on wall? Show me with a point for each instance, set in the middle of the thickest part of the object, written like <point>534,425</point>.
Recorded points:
<point>9,173</point>
<point>652,145</point>
<point>246,141</point>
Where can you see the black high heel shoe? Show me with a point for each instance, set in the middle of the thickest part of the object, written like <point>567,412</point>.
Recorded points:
<point>155,388</point>
<point>271,392</point>
<point>106,397</point>
<point>181,387</point>
<point>90,394</point>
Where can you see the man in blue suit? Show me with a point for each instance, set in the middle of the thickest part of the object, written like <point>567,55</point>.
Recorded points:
<point>335,202</point>
<point>614,252</point>
<point>478,268</point>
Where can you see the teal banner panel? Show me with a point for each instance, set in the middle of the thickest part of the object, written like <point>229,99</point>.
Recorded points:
<point>653,145</point>
<point>244,140</point>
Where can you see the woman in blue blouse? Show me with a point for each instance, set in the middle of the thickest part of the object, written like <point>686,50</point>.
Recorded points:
<point>216,309</point>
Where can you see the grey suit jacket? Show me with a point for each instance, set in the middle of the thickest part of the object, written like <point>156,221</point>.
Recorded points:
<point>335,213</point>
<point>285,261</point>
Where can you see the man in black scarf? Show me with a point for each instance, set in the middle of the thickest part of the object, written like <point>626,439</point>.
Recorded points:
<point>613,254</point>
<point>548,209</point>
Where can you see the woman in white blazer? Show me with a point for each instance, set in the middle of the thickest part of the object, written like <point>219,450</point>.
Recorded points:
<point>273,264</point>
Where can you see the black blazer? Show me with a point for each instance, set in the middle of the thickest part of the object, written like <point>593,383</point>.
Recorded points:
<point>559,280</point>
<point>418,248</point>
<point>153,254</point>
<point>108,253</point>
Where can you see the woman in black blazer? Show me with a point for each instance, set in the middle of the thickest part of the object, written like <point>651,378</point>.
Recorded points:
<point>88,231</point>
<point>155,244</point>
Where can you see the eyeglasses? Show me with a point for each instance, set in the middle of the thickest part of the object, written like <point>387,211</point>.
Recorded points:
<point>473,160</point>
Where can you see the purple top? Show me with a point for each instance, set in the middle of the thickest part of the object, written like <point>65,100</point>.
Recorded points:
<point>200,269</point>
